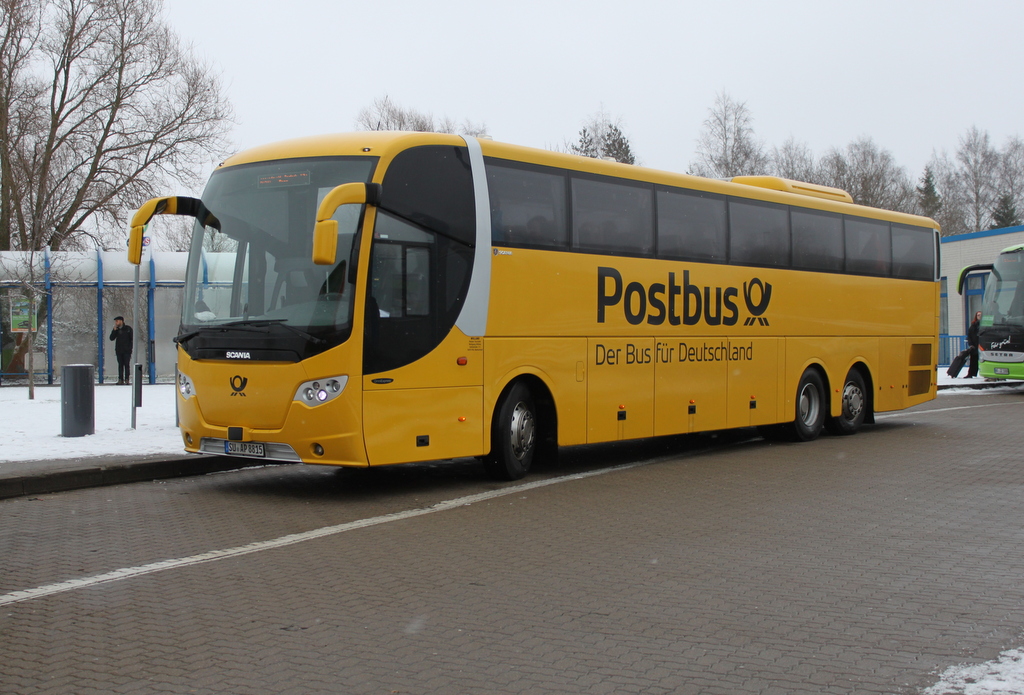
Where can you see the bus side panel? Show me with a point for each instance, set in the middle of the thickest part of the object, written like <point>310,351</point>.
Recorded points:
<point>891,389</point>
<point>753,382</point>
<point>836,354</point>
<point>560,362</point>
<point>690,377</point>
<point>406,425</point>
<point>620,389</point>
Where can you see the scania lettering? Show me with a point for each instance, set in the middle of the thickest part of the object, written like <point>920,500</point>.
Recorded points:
<point>378,298</point>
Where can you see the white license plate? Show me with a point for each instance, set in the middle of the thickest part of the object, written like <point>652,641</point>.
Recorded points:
<point>244,448</point>
<point>1002,370</point>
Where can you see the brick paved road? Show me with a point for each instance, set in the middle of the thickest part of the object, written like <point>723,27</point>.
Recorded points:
<point>847,565</point>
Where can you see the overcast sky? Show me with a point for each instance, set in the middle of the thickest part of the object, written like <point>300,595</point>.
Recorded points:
<point>913,75</point>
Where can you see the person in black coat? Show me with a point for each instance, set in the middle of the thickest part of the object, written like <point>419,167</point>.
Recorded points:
<point>122,337</point>
<point>972,344</point>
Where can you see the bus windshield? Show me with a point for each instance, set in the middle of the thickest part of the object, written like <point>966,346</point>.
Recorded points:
<point>255,275</point>
<point>1004,292</point>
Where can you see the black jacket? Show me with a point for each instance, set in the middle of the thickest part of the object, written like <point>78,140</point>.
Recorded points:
<point>972,334</point>
<point>122,338</point>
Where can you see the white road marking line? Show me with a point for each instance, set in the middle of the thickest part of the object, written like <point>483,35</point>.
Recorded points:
<point>292,539</point>
<point>886,416</point>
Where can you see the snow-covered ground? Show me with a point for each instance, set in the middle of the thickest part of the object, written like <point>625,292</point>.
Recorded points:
<point>32,430</point>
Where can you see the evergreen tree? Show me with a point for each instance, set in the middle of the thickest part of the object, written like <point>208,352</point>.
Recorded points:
<point>617,146</point>
<point>602,137</point>
<point>928,199</point>
<point>1005,214</point>
<point>585,146</point>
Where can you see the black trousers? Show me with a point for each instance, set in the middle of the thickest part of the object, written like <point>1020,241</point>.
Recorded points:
<point>124,369</point>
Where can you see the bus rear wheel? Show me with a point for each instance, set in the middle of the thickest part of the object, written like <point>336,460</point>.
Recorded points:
<point>810,407</point>
<point>513,435</point>
<point>855,405</point>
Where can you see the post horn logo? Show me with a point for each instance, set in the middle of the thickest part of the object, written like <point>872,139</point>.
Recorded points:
<point>765,289</point>
<point>238,384</point>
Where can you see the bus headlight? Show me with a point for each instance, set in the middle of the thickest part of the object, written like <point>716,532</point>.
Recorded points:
<point>320,391</point>
<point>185,387</point>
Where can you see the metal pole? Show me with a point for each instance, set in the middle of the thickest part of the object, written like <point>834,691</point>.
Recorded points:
<point>49,318</point>
<point>151,321</point>
<point>135,342</point>
<point>99,316</point>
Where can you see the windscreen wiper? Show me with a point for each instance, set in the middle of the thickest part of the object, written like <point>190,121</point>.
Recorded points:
<point>237,325</point>
<point>256,323</point>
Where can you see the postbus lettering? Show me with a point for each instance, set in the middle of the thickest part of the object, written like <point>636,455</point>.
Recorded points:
<point>688,303</point>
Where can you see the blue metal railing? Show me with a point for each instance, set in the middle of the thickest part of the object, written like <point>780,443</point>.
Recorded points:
<point>949,347</point>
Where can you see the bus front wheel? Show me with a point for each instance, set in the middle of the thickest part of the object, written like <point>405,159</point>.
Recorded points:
<point>810,407</point>
<point>855,404</point>
<point>513,435</point>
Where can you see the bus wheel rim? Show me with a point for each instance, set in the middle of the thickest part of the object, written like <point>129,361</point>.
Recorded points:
<point>808,404</point>
<point>521,430</point>
<point>853,401</point>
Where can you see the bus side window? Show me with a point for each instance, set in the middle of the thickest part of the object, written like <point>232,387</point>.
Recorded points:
<point>758,233</point>
<point>868,247</point>
<point>817,240</point>
<point>691,225</point>
<point>417,281</point>
<point>612,216</point>
<point>527,206</point>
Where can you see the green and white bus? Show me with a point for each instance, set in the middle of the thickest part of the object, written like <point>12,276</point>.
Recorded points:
<point>1001,334</point>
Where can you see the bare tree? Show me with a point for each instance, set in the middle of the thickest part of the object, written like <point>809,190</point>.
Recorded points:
<point>794,160</point>
<point>601,136</point>
<point>727,146</point>
<point>116,107</point>
<point>384,114</point>
<point>953,215</point>
<point>1011,172</point>
<point>978,167</point>
<point>100,106</point>
<point>870,175</point>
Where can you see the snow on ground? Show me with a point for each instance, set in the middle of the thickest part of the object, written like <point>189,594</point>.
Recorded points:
<point>32,429</point>
<point>1003,676</point>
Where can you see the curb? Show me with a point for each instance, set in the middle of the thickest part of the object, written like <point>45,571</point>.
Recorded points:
<point>978,385</point>
<point>102,474</point>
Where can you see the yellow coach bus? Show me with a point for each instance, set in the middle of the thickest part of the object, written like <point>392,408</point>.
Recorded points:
<point>378,298</point>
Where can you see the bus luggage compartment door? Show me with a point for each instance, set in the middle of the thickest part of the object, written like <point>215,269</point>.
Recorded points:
<point>620,389</point>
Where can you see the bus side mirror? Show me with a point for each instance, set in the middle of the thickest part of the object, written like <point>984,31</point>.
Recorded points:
<point>156,206</point>
<point>968,270</point>
<point>174,205</point>
<point>325,233</point>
